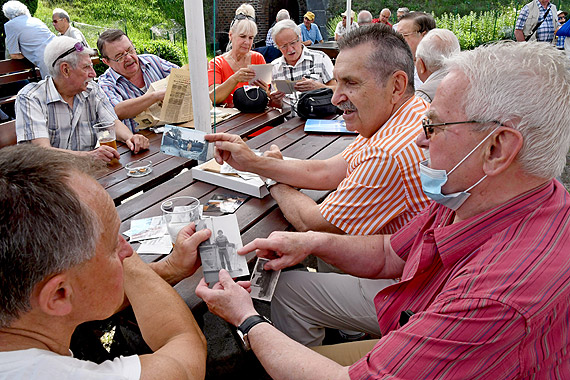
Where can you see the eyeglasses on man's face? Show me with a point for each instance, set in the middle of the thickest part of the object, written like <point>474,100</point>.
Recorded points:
<point>130,51</point>
<point>56,21</point>
<point>285,46</point>
<point>429,127</point>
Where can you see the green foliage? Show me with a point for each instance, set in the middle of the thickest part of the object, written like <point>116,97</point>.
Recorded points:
<point>332,23</point>
<point>475,29</point>
<point>163,48</point>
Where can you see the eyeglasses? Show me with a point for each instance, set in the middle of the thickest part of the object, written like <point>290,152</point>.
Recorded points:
<point>408,34</point>
<point>56,21</point>
<point>121,58</point>
<point>429,127</point>
<point>78,47</point>
<point>241,16</point>
<point>285,46</point>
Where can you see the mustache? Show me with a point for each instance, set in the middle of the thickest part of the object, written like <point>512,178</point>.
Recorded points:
<point>346,106</point>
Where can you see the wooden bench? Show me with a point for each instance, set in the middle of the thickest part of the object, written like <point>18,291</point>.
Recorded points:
<point>12,71</point>
<point>8,133</point>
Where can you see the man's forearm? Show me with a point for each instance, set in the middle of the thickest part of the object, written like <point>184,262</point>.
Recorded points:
<point>301,211</point>
<point>164,319</point>
<point>519,35</point>
<point>127,109</point>
<point>284,358</point>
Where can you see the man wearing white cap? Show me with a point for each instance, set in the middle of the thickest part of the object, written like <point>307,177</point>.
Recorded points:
<point>341,28</point>
<point>59,111</point>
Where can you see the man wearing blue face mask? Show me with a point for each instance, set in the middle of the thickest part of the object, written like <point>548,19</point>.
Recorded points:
<point>484,270</point>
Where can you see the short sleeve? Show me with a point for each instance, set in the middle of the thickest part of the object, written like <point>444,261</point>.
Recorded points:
<point>521,20</point>
<point>319,36</point>
<point>215,67</point>
<point>12,44</point>
<point>30,118</point>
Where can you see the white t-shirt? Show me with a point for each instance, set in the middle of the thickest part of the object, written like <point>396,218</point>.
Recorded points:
<point>36,364</point>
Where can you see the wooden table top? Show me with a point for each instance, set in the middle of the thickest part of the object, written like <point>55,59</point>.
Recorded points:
<point>120,186</point>
<point>256,217</point>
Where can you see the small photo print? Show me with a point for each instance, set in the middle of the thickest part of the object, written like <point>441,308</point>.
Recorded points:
<point>223,204</point>
<point>263,282</point>
<point>184,142</point>
<point>220,251</point>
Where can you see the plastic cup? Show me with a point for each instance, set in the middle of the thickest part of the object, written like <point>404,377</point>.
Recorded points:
<point>179,212</point>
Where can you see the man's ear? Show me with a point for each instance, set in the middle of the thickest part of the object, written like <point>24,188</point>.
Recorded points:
<point>65,69</point>
<point>420,66</point>
<point>502,150</point>
<point>400,84</point>
<point>54,295</point>
<point>105,61</point>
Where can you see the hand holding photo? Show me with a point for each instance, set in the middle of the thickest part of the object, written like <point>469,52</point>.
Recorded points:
<point>263,282</point>
<point>220,251</point>
<point>262,72</point>
<point>184,142</point>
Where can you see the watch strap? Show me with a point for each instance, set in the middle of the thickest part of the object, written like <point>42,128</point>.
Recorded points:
<point>252,321</point>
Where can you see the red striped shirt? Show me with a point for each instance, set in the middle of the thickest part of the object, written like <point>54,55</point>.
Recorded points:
<point>491,295</point>
<point>382,189</point>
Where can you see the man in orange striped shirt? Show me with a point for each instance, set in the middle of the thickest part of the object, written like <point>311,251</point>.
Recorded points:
<point>376,178</point>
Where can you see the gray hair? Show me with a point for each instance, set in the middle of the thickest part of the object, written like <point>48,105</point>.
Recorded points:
<point>283,14</point>
<point>246,26</point>
<point>403,10</point>
<point>389,52</point>
<point>58,46</point>
<point>541,115</point>
<point>45,228</point>
<point>364,17</point>
<point>386,9</point>
<point>285,24</point>
<point>13,9</point>
<point>437,45</point>
<point>61,13</point>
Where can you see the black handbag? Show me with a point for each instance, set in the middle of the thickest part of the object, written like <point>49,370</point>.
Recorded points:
<point>253,100</point>
<point>316,104</point>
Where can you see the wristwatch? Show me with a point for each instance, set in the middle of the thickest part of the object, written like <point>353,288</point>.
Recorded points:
<point>269,183</point>
<point>247,325</point>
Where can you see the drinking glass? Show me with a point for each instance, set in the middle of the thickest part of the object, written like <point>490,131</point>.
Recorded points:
<point>105,133</point>
<point>178,212</point>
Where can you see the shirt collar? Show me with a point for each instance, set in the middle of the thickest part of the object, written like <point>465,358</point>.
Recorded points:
<point>304,56</point>
<point>52,95</point>
<point>454,240</point>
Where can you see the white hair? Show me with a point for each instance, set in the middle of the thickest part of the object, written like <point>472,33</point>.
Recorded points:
<point>57,47</point>
<point>386,9</point>
<point>364,17</point>
<point>246,9</point>
<point>244,26</point>
<point>61,13</point>
<point>283,14</point>
<point>437,45</point>
<point>527,86</point>
<point>403,10</point>
<point>13,9</point>
<point>285,24</point>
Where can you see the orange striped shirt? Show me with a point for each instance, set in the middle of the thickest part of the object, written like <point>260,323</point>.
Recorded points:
<point>382,189</point>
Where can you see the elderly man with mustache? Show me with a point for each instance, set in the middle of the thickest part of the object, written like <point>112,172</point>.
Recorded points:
<point>376,179</point>
<point>60,111</point>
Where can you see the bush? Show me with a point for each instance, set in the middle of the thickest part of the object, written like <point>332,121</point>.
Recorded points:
<point>332,23</point>
<point>163,48</point>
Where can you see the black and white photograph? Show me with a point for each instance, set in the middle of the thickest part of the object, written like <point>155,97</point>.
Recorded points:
<point>220,251</point>
<point>263,282</point>
<point>184,142</point>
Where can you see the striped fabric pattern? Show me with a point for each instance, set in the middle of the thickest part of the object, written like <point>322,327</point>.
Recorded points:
<point>491,294</point>
<point>41,112</point>
<point>118,88</point>
<point>382,189</point>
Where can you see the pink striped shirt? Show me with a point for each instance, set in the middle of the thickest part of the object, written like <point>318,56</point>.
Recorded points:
<point>491,295</point>
<point>382,189</point>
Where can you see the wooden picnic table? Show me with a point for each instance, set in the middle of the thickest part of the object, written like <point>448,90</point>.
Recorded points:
<point>120,186</point>
<point>256,217</point>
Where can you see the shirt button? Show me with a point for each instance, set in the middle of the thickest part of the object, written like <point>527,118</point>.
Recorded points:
<point>385,298</point>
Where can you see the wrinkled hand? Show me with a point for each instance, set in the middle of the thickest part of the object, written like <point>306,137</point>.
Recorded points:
<point>244,75</point>
<point>228,299</point>
<point>184,259</point>
<point>233,150</point>
<point>283,249</point>
<point>137,143</point>
<point>307,85</point>
<point>104,153</point>
<point>258,82</point>
<point>276,99</point>
<point>273,152</point>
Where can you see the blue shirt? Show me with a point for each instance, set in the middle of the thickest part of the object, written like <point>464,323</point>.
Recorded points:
<point>118,88</point>
<point>28,36</point>
<point>314,35</point>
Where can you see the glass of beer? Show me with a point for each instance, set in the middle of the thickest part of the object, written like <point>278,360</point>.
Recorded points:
<point>179,212</point>
<point>105,133</point>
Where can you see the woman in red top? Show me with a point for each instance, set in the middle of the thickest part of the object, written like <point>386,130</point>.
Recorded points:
<point>231,71</point>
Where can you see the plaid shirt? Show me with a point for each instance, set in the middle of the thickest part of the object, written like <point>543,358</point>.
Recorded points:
<point>41,112</point>
<point>269,38</point>
<point>545,31</point>
<point>313,63</point>
<point>118,88</point>
<point>560,42</point>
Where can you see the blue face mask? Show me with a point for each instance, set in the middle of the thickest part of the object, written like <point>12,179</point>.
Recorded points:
<point>434,179</point>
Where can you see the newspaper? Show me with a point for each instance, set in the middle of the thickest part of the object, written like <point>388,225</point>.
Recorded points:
<point>177,104</point>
